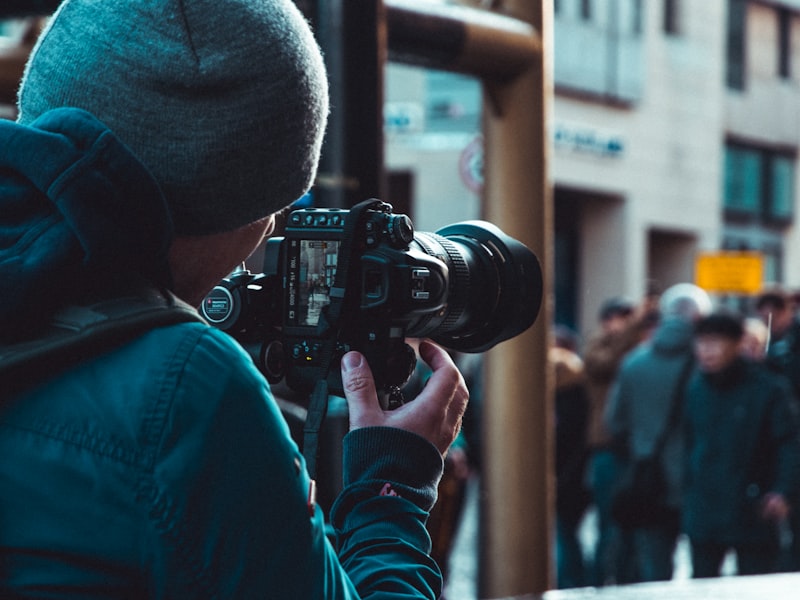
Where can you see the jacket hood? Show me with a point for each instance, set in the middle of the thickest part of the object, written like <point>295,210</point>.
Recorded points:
<point>673,335</point>
<point>75,207</point>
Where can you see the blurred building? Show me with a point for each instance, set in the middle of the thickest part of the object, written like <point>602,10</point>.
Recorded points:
<point>675,129</point>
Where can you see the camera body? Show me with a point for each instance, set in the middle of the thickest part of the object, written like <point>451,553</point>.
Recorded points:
<point>362,279</point>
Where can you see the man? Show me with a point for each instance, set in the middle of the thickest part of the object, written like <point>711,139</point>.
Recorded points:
<point>743,458</point>
<point>155,142</point>
<point>623,326</point>
<point>776,307</point>
<point>639,409</point>
<point>572,497</point>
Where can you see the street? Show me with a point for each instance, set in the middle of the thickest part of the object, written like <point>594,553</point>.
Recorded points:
<point>462,583</point>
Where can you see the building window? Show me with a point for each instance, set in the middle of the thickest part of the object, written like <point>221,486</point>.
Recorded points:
<point>784,43</point>
<point>586,10</point>
<point>638,17</point>
<point>781,187</point>
<point>672,17</point>
<point>735,72</point>
<point>742,180</point>
<point>773,263</point>
<point>599,49</point>
<point>759,184</point>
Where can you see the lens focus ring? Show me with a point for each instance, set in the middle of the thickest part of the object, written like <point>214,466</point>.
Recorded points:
<point>459,281</point>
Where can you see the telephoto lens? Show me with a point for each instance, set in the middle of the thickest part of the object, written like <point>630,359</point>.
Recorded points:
<point>495,287</point>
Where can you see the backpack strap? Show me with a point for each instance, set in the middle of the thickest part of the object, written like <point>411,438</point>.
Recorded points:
<point>328,330</point>
<point>77,333</point>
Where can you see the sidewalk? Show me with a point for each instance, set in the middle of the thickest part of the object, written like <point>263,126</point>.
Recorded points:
<point>462,584</point>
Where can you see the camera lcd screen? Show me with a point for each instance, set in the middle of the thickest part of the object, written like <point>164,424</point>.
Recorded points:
<point>315,273</point>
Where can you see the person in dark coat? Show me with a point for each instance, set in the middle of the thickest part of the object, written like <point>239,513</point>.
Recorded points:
<point>572,495</point>
<point>623,326</point>
<point>743,457</point>
<point>777,308</point>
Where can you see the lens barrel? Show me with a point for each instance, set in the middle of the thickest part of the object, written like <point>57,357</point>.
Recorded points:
<point>494,290</point>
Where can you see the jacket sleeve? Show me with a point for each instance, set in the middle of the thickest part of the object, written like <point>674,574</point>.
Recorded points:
<point>390,479</point>
<point>229,499</point>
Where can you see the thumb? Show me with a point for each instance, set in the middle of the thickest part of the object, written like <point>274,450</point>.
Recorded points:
<point>359,389</point>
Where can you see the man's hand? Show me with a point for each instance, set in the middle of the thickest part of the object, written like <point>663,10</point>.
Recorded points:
<point>435,414</point>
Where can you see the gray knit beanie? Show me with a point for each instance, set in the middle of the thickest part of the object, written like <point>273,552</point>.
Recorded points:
<point>225,101</point>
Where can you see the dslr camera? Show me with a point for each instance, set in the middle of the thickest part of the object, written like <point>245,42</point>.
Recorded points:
<point>363,279</point>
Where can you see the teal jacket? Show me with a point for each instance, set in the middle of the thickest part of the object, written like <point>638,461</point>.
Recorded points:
<point>742,443</point>
<point>163,468</point>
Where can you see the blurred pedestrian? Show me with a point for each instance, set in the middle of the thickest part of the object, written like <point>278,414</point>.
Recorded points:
<point>777,308</point>
<point>755,339</point>
<point>572,496</point>
<point>743,457</point>
<point>623,326</point>
<point>643,406</point>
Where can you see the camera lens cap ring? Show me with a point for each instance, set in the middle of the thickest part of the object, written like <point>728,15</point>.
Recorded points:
<point>521,286</point>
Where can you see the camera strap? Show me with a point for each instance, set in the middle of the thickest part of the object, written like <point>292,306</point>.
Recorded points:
<point>328,330</point>
<point>77,333</point>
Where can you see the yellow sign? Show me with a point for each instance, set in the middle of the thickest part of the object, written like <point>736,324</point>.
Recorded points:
<point>730,272</point>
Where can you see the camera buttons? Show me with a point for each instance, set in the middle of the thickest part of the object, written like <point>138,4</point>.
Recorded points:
<point>217,305</point>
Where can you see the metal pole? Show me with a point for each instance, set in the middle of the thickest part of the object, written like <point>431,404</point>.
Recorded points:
<point>460,39</point>
<point>517,480</point>
<point>12,64</point>
<point>13,59</point>
<point>352,34</point>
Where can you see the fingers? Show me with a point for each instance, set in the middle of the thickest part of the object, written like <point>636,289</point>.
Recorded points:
<point>446,380</point>
<point>444,398</point>
<point>435,414</point>
<point>359,389</point>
